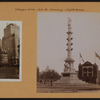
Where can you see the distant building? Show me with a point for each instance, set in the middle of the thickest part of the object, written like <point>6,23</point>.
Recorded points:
<point>3,58</point>
<point>47,69</point>
<point>0,44</point>
<point>10,42</point>
<point>88,72</point>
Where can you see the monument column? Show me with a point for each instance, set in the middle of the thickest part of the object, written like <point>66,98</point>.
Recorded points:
<point>69,76</point>
<point>69,61</point>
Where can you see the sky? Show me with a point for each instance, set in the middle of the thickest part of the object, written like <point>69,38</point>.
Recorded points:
<point>3,25</point>
<point>51,38</point>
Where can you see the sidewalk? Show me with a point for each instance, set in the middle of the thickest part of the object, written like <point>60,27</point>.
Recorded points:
<point>47,88</point>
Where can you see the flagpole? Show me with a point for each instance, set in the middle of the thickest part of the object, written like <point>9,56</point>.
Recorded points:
<point>94,59</point>
<point>97,66</point>
<point>79,59</point>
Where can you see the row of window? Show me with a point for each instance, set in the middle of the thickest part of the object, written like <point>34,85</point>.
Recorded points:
<point>87,69</point>
<point>87,74</point>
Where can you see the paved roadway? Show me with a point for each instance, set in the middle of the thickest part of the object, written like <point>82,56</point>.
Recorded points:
<point>62,90</point>
<point>47,88</point>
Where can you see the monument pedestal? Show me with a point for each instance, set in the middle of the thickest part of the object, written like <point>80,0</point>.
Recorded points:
<point>70,79</point>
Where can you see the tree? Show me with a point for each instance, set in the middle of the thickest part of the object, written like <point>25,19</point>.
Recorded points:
<point>38,74</point>
<point>48,75</point>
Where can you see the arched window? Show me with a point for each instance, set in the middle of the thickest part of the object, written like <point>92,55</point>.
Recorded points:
<point>90,69</point>
<point>85,69</point>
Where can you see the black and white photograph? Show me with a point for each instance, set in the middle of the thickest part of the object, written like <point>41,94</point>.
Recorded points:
<point>68,52</point>
<point>10,50</point>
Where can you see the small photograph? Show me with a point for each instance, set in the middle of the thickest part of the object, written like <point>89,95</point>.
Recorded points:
<point>10,49</point>
<point>68,52</point>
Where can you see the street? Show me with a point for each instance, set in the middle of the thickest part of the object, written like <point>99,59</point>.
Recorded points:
<point>62,90</point>
<point>47,88</point>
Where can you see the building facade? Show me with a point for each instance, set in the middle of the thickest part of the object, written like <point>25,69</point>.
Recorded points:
<point>88,72</point>
<point>10,42</point>
<point>99,77</point>
<point>3,58</point>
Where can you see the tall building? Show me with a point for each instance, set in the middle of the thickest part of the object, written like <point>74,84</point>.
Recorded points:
<point>10,42</point>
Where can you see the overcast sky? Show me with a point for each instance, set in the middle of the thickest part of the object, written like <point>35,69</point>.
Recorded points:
<point>3,25</point>
<point>51,38</point>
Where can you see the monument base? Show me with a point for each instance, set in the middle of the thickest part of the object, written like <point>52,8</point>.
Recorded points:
<point>70,79</point>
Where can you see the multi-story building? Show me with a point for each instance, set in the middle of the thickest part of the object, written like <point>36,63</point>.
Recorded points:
<point>88,72</point>
<point>3,58</point>
<point>10,42</point>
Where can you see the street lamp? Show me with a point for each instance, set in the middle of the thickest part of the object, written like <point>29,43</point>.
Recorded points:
<point>51,78</point>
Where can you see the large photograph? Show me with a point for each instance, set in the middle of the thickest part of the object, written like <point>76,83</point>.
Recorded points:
<point>10,50</point>
<point>68,52</point>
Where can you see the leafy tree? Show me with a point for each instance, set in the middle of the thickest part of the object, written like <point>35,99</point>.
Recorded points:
<point>48,75</point>
<point>38,74</point>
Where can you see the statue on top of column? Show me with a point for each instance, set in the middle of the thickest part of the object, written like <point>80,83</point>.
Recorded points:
<point>69,20</point>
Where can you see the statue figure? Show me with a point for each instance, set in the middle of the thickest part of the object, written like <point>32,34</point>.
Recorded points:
<point>67,67</point>
<point>69,20</point>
